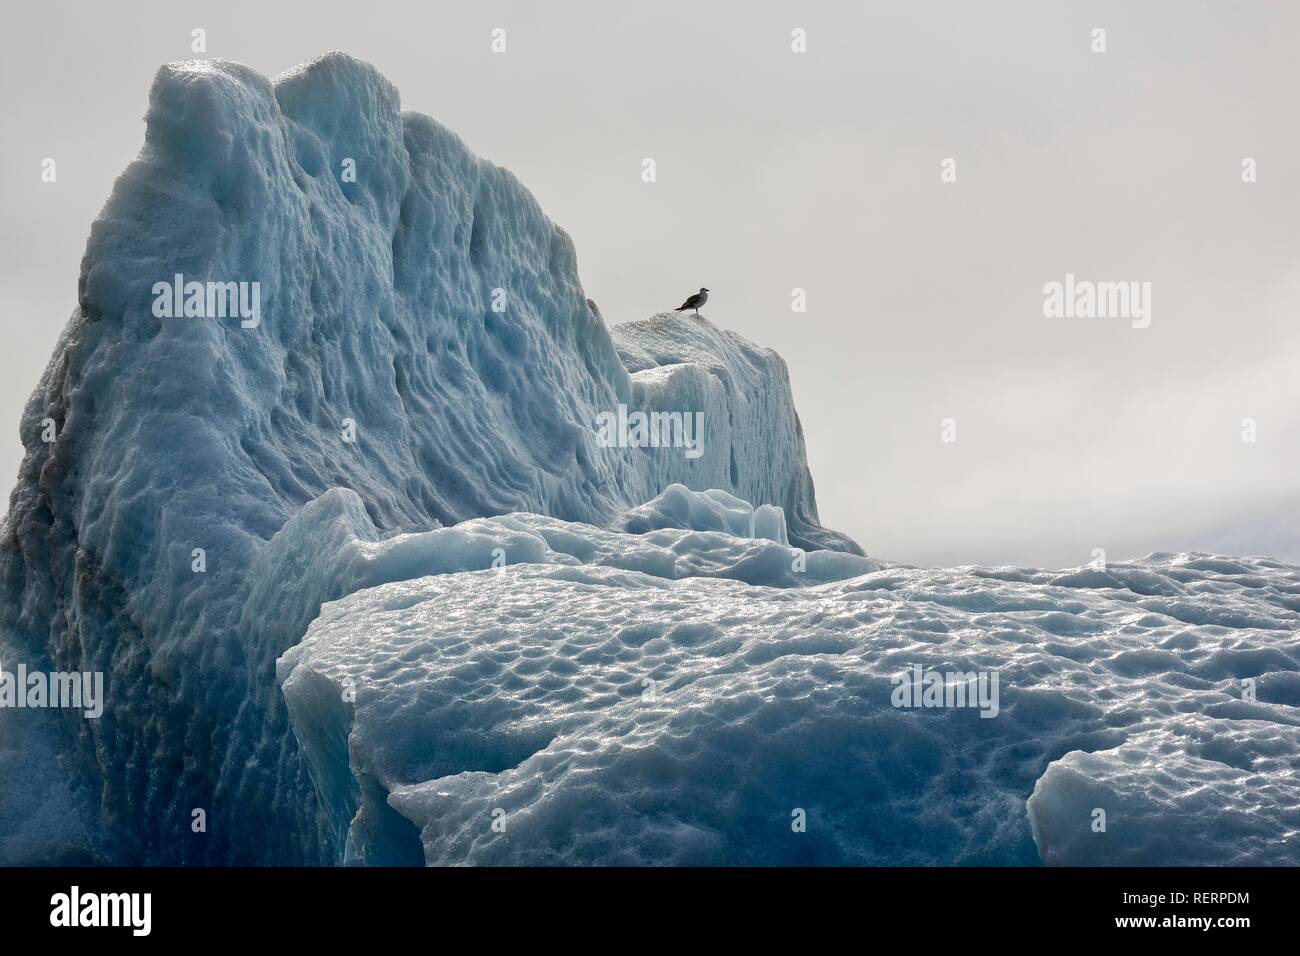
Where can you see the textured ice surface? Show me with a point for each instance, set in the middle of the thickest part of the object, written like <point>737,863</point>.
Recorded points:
<point>679,507</point>
<point>333,545</point>
<point>606,715</point>
<point>376,309</point>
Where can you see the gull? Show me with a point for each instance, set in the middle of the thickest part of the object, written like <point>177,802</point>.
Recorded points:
<point>695,301</point>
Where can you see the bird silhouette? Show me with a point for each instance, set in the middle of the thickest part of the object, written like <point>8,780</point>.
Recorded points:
<point>695,301</point>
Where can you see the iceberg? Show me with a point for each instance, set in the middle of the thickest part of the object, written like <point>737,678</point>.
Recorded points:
<point>389,551</point>
<point>298,288</point>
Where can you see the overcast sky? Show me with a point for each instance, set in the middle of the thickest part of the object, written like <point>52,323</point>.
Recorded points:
<point>821,170</point>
